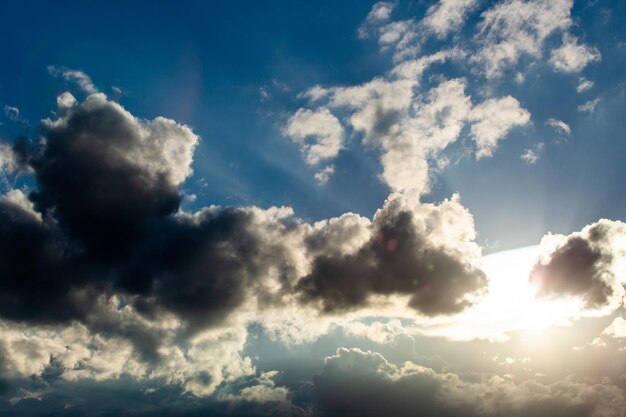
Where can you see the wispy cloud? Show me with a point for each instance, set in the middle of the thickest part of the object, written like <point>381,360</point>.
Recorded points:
<point>590,106</point>
<point>80,78</point>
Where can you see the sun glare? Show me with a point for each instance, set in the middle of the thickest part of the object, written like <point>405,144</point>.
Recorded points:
<point>511,303</point>
<point>513,298</point>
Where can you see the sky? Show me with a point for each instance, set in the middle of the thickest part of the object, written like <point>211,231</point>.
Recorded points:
<point>308,208</point>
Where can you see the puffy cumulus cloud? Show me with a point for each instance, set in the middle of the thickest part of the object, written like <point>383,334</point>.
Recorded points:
<point>587,264</point>
<point>342,235</point>
<point>616,329</point>
<point>559,125</point>
<point>104,220</point>
<point>354,382</point>
<point>435,123</point>
<point>426,252</point>
<point>412,128</point>
<point>492,120</point>
<point>572,57</point>
<point>30,351</point>
<point>322,128</point>
<point>380,110</point>
<point>117,342</point>
<point>143,163</point>
<point>103,276</point>
<point>263,390</point>
<point>80,78</point>
<point>514,28</point>
<point>447,15</point>
<point>65,100</point>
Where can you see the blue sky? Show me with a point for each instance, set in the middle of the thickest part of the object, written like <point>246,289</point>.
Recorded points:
<point>242,208</point>
<point>205,65</point>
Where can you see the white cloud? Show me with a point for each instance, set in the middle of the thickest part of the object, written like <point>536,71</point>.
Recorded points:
<point>8,159</point>
<point>513,28</point>
<point>411,139</point>
<point>584,265</point>
<point>572,57</point>
<point>616,329</point>
<point>17,198</point>
<point>559,125</point>
<point>380,12</point>
<point>399,36</point>
<point>65,100</point>
<point>324,175</point>
<point>319,134</point>
<point>206,360</point>
<point>529,156</point>
<point>78,77</point>
<point>447,15</point>
<point>584,85</point>
<point>492,120</point>
<point>405,37</point>
<point>12,113</point>
<point>590,106</point>
<point>264,391</point>
<point>161,146</point>
<point>412,128</point>
<point>368,379</point>
<point>343,235</point>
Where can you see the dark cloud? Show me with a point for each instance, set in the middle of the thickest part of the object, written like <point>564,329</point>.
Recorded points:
<point>125,397</point>
<point>398,259</point>
<point>103,220</point>
<point>360,383</point>
<point>101,247</point>
<point>581,265</point>
<point>91,175</point>
<point>34,281</point>
<point>205,266</point>
<point>108,198</point>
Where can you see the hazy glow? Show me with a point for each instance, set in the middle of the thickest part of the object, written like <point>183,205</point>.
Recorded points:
<point>510,303</point>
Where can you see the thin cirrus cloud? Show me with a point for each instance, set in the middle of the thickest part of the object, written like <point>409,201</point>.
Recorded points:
<point>559,126</point>
<point>589,106</point>
<point>513,28</point>
<point>80,78</point>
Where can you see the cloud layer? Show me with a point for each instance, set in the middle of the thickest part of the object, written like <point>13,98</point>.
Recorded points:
<point>116,298</point>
